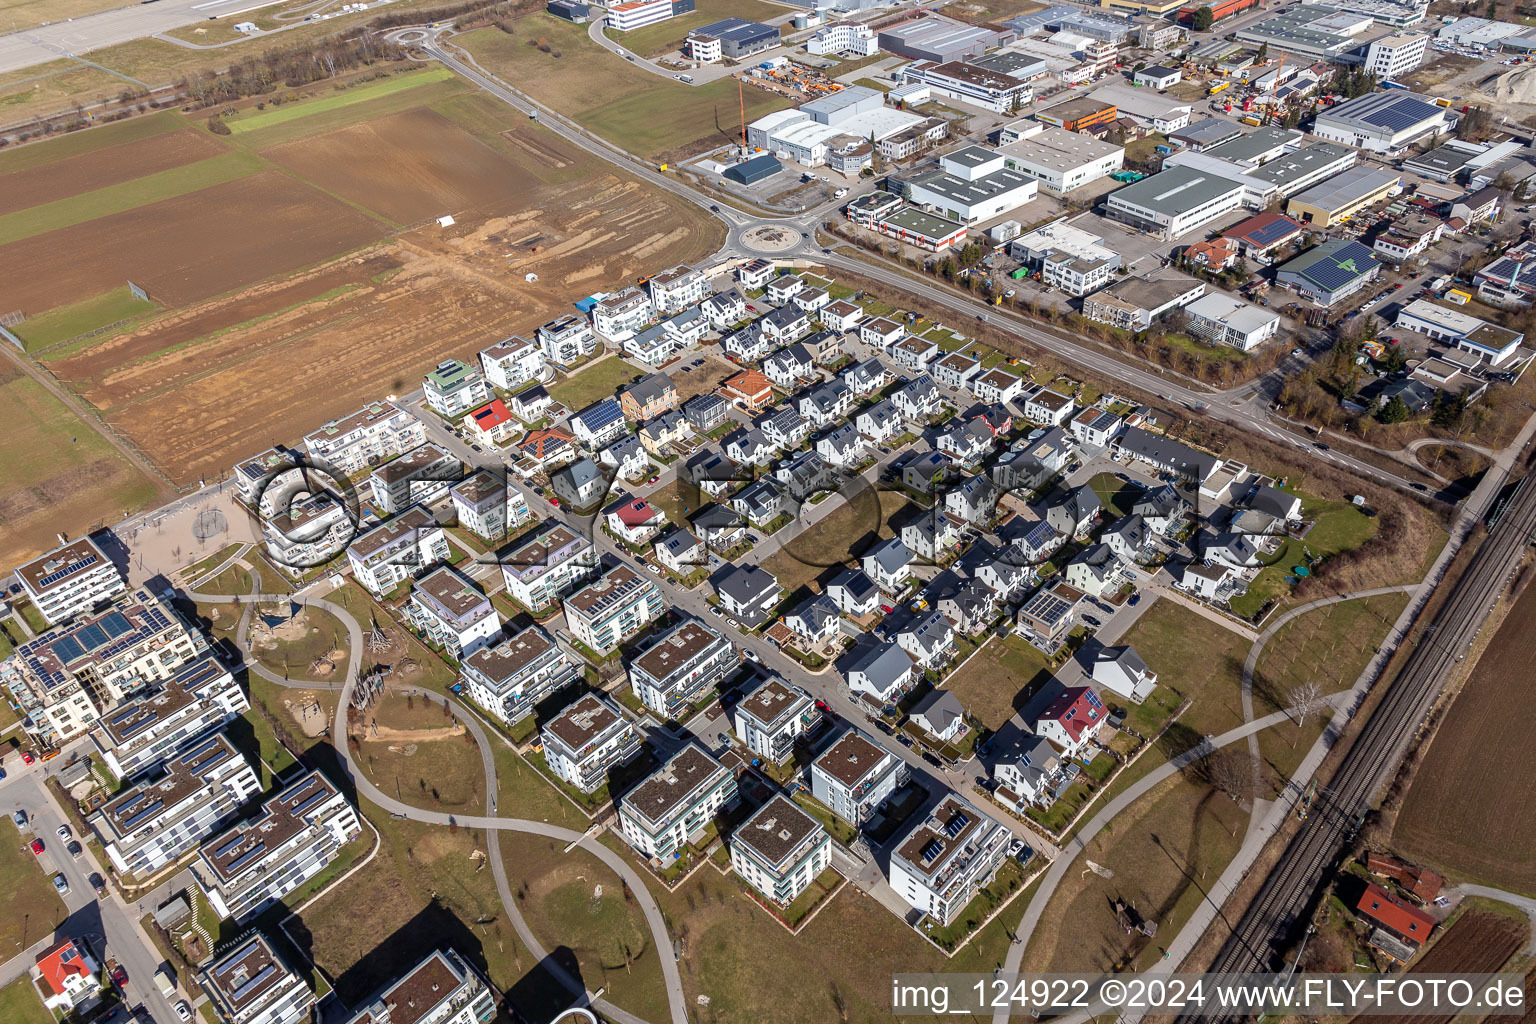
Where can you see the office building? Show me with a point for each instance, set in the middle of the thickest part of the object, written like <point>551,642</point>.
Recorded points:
<point>735,38</point>
<point>1224,320</point>
<point>1330,272</point>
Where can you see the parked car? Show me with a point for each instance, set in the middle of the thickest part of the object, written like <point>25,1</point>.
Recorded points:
<point>60,884</point>
<point>654,569</point>
<point>1092,621</point>
<point>37,847</point>
<point>74,848</point>
<point>20,819</point>
<point>119,976</point>
<point>733,623</point>
<point>63,831</point>
<point>26,757</point>
<point>716,612</point>
<point>183,1012</point>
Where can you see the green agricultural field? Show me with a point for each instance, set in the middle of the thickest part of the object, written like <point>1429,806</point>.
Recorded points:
<point>66,322</point>
<point>256,120</point>
<point>128,195</point>
<point>94,140</point>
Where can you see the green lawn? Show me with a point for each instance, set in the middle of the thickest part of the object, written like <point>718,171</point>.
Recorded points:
<point>255,120</point>
<point>78,143</point>
<point>1337,526</point>
<point>668,36</point>
<point>75,319</point>
<point>322,633</point>
<point>1117,495</point>
<point>129,195</point>
<point>19,1004</point>
<point>1197,659</point>
<point>836,827</point>
<point>600,380</point>
<point>991,684</point>
<point>640,112</point>
<point>28,611</point>
<point>32,908</point>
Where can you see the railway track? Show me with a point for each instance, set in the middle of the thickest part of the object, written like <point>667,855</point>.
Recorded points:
<point>1262,933</point>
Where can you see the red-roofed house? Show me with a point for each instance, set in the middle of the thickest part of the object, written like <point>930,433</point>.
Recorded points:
<point>749,390</point>
<point>635,519</point>
<point>1419,882</point>
<point>1072,719</point>
<point>1217,254</point>
<point>1398,917</point>
<point>68,977</point>
<point>548,447</point>
<point>492,423</point>
<point>1261,235</point>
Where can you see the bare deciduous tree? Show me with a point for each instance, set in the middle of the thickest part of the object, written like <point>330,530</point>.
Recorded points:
<point>1303,701</point>
<point>1233,772</point>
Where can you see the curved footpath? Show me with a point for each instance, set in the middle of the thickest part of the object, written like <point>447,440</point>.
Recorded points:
<point>660,938</point>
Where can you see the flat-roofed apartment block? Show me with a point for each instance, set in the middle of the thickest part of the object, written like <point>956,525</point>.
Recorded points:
<point>488,506</point>
<point>1061,160</point>
<point>442,989</point>
<point>617,317</point>
<point>202,696</point>
<point>658,816</point>
<point>680,666</point>
<point>773,716</point>
<point>451,611</point>
<point>513,362</point>
<point>73,674</point>
<point>780,850</point>
<point>251,984</point>
<point>252,474</point>
<point>673,291</point>
<point>942,862</point>
<point>854,775</point>
<point>422,475</point>
<point>539,567</point>
<point>511,676</point>
<point>454,388</point>
<point>160,818</point>
<point>1174,202</point>
<point>588,739</point>
<point>393,552</point>
<point>613,607</point>
<point>566,340</point>
<point>69,580</point>
<point>297,833</point>
<point>374,433</point>
<point>308,531</point>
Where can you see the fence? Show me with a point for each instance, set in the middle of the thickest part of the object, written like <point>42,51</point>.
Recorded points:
<point>12,338</point>
<point>138,293</point>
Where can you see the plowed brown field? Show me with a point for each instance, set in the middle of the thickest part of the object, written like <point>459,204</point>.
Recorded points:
<point>187,248</point>
<point>1479,942</point>
<point>1468,810</point>
<point>114,165</point>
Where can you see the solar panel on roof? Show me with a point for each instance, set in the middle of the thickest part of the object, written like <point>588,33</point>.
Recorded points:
<point>69,570</point>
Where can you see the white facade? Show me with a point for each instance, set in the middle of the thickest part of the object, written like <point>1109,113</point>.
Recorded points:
<point>1396,55</point>
<point>396,550</point>
<point>587,739</point>
<point>942,862</point>
<point>377,432</point>
<point>780,850</point>
<point>1227,321</point>
<point>511,676</point>
<point>772,717</point>
<point>566,340</point>
<point>845,37</point>
<point>617,317</point>
<point>512,363</point>
<point>250,984</point>
<point>1062,160</point>
<point>442,989</point>
<point>627,17</point>
<point>69,580</point>
<point>613,608</point>
<point>1175,201</point>
<point>855,775</point>
<point>658,816</point>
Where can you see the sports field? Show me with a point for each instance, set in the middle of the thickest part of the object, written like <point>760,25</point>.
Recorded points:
<point>296,267</point>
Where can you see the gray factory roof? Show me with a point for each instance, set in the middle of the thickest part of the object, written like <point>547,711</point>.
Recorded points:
<point>1306,29</point>
<point>1209,132</point>
<point>971,192</point>
<point>1254,145</point>
<point>1346,187</point>
<point>1389,112</point>
<point>1293,166</point>
<point>833,102</point>
<point>738,30</point>
<point>1175,191</point>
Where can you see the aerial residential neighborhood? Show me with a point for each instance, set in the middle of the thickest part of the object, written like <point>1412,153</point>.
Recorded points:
<point>710,510</point>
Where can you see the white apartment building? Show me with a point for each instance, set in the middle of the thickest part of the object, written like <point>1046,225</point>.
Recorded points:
<point>70,676</point>
<point>681,666</point>
<point>147,729</point>
<point>780,850</point>
<point>454,388</point>
<point>844,37</point>
<point>566,340</point>
<point>772,717</point>
<point>251,984</point>
<point>374,433</point>
<point>296,834</point>
<point>617,317</point>
<point>513,362</point>
<point>674,290</point>
<point>70,580</point>
<point>451,612</point>
<point>613,608</point>
<point>1228,321</point>
<point>1392,56</point>
<point>510,677</point>
<point>394,551</point>
<point>658,816</point>
<point>442,989</point>
<point>422,475</point>
<point>947,857</point>
<point>542,565</point>
<point>586,740</point>
<point>1061,160</point>
<point>307,532</point>
<point>488,506</point>
<point>162,817</point>
<point>854,775</point>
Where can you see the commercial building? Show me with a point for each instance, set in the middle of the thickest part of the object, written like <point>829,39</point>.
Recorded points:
<point>1506,281</point>
<point>925,231</point>
<point>1303,168</point>
<point>843,124</point>
<point>159,818</point>
<point>1312,31</point>
<point>1344,195</point>
<point>780,850</point>
<point>1158,77</point>
<point>750,172</point>
<point>454,388</point>
<point>1260,235</point>
<point>296,834</point>
<point>971,83</point>
<point>1466,332</point>
<point>442,989</point>
<point>662,813</point>
<point>1061,160</point>
<point>1206,134</point>
<point>75,673</point>
<point>250,984</point>
<point>70,580</point>
<point>1330,272</point>
<point>394,551</point>
<point>1068,257</point>
<point>1395,55</point>
<point>1078,114</point>
<point>855,775</point>
<point>969,185</point>
<point>1145,107</point>
<point>941,40</point>
<point>1135,302</point>
<point>942,862</point>
<point>633,14</point>
<point>731,37</point>
<point>586,740</point>
<point>451,612</point>
<point>1224,320</point>
<point>681,666</point>
<point>852,38</point>
<point>541,565</point>
<point>1174,202</point>
<point>422,475</point>
<point>1381,122</point>
<point>613,608</point>
<point>377,432</point>
<point>772,717</point>
<point>508,678</point>
<point>145,730</point>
